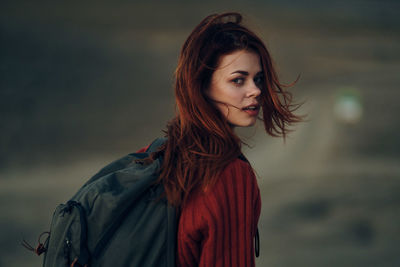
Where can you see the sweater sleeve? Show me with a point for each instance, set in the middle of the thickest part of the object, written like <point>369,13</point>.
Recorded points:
<point>217,227</point>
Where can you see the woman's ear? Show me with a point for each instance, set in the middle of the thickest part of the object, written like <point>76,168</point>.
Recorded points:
<point>207,92</point>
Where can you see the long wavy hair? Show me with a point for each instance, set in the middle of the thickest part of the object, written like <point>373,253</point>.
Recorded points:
<point>201,142</point>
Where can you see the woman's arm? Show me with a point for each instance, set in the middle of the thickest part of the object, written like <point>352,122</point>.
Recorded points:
<point>217,228</point>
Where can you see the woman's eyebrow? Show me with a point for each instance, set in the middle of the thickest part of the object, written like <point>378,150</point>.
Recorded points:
<point>246,73</point>
<point>240,72</point>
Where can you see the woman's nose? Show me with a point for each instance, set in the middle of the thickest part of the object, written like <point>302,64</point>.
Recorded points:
<point>253,90</point>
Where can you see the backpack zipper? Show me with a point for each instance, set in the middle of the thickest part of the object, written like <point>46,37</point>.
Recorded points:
<point>84,254</point>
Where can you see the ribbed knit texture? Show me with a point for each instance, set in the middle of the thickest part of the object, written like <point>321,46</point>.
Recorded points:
<point>217,228</point>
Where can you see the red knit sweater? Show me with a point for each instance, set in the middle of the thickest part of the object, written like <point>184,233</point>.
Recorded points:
<point>217,228</point>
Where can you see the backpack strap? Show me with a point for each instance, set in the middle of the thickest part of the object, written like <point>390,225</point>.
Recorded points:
<point>242,157</point>
<point>156,144</point>
<point>171,214</point>
<point>257,243</point>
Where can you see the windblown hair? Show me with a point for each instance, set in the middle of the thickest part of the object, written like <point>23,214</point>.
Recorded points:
<point>201,143</point>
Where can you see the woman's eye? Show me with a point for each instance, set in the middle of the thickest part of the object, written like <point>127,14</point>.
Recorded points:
<point>258,81</point>
<point>238,81</point>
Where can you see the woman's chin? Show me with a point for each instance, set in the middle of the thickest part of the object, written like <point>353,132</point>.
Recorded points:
<point>243,123</point>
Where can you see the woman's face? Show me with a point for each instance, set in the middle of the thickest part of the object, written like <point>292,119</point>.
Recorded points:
<point>235,87</point>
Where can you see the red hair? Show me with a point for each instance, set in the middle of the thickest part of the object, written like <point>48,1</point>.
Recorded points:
<point>201,143</point>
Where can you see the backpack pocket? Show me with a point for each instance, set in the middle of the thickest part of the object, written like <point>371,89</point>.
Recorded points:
<point>68,237</point>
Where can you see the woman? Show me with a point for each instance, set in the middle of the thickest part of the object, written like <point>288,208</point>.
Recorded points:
<point>225,78</point>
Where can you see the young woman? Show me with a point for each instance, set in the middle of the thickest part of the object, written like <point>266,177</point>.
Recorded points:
<point>225,79</point>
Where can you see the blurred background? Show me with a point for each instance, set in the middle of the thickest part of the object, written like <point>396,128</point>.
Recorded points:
<point>85,82</point>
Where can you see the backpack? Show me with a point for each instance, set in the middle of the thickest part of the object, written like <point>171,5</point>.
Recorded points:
<point>120,217</point>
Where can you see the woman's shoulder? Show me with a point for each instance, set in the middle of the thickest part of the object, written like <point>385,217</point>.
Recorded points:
<point>239,167</point>
<point>237,176</point>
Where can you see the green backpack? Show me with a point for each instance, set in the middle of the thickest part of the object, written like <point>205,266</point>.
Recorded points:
<point>118,218</point>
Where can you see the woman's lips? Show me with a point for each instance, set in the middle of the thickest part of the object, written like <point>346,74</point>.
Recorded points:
<point>252,110</point>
